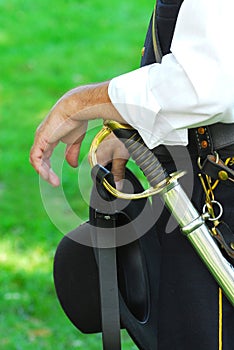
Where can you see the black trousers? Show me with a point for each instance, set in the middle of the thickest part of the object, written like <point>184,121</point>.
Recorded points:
<point>193,313</point>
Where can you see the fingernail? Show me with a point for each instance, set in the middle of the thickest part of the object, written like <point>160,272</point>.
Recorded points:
<point>43,173</point>
<point>53,178</point>
<point>119,185</point>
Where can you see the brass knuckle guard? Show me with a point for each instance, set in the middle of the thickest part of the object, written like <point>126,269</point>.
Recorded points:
<point>108,127</point>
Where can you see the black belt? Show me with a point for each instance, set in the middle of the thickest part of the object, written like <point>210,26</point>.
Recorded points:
<point>205,140</point>
<point>213,138</point>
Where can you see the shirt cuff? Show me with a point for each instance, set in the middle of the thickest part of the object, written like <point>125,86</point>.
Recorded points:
<point>131,95</point>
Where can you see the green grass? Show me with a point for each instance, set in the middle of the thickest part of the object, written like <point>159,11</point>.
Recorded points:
<point>47,48</point>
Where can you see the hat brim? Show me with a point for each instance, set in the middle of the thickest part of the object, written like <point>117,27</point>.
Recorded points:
<point>77,281</point>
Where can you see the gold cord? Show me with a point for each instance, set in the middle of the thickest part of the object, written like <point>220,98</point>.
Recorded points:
<point>220,319</point>
<point>209,192</point>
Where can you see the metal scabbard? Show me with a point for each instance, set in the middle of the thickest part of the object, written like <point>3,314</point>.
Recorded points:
<point>194,228</point>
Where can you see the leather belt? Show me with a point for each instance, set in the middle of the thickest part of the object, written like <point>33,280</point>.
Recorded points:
<point>205,140</point>
<point>213,138</point>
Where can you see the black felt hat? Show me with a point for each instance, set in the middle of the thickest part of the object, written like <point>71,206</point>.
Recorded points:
<point>138,258</point>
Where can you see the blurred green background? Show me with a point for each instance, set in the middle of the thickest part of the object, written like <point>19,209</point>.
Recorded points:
<point>46,48</point>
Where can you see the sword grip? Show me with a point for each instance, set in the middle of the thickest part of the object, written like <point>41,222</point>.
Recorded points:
<point>142,155</point>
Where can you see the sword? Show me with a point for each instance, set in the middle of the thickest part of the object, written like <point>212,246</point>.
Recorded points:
<point>192,224</point>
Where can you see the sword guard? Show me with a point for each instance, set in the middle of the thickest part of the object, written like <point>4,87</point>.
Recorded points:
<point>164,185</point>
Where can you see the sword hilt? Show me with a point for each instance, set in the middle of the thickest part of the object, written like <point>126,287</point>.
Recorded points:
<point>141,154</point>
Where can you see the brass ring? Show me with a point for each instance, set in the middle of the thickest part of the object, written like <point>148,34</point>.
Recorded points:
<point>220,210</point>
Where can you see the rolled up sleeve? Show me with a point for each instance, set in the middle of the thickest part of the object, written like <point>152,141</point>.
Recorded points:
<point>192,86</point>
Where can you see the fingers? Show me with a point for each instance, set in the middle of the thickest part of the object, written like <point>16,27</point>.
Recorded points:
<point>40,159</point>
<point>118,171</point>
<point>112,150</point>
<point>72,154</point>
<point>49,175</point>
<point>48,135</point>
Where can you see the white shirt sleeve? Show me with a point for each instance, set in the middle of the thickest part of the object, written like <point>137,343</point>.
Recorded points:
<point>193,85</point>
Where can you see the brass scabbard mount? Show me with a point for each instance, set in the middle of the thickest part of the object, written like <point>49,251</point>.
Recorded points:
<point>143,157</point>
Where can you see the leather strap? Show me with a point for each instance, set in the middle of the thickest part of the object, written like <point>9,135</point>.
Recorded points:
<point>217,170</point>
<point>204,141</point>
<point>104,224</point>
<point>106,260</point>
<point>222,135</point>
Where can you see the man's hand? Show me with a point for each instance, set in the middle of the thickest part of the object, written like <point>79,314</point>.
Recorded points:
<point>48,134</point>
<point>112,150</point>
<point>67,122</point>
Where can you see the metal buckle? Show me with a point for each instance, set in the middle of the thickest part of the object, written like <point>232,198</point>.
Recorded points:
<point>199,160</point>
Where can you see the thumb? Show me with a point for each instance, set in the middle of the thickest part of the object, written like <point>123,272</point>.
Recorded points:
<point>118,171</point>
